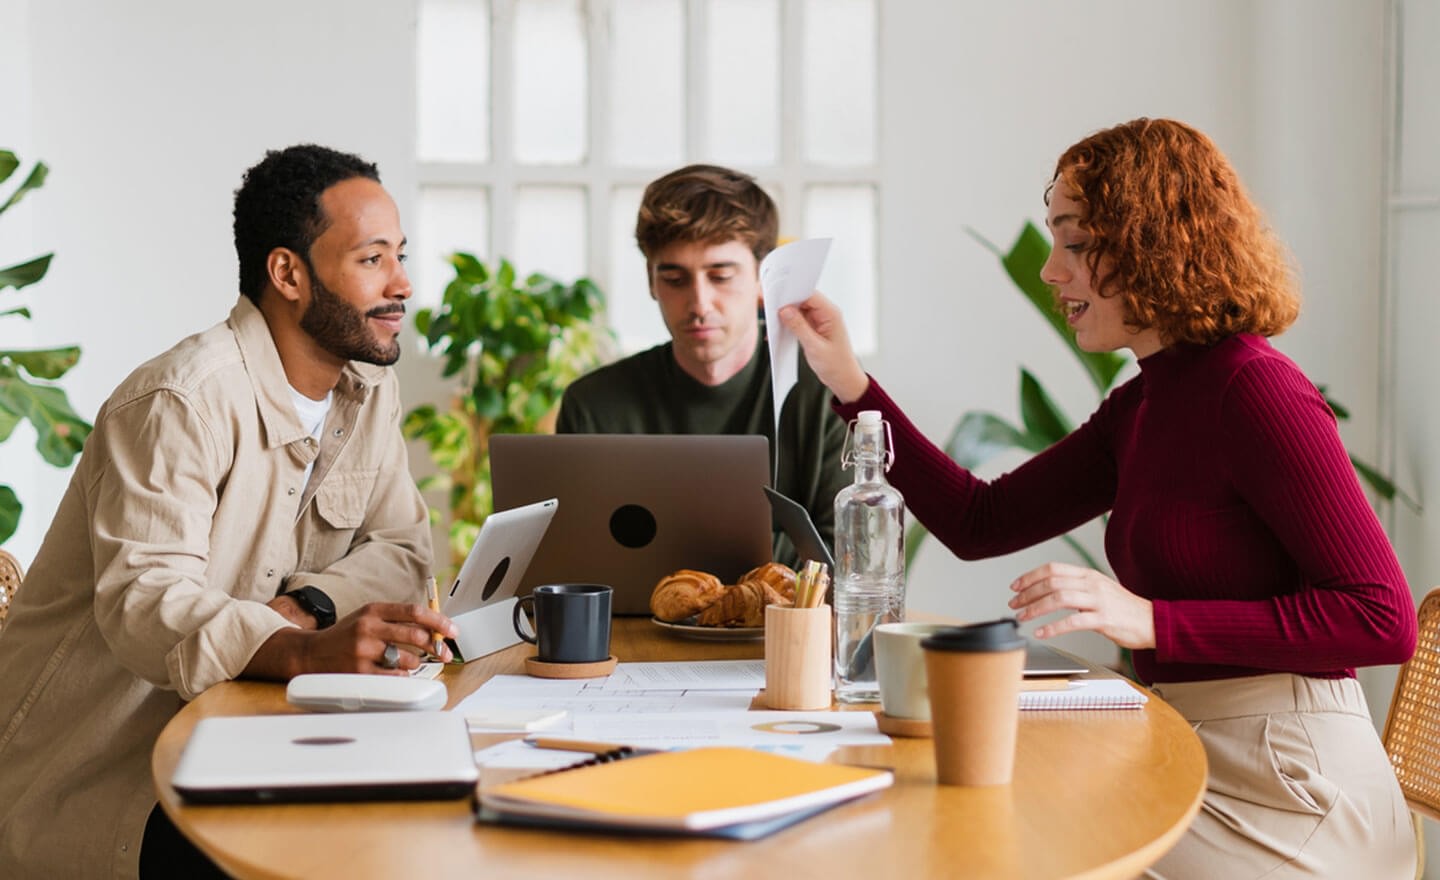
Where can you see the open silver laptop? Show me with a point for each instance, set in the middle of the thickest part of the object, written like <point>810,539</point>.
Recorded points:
<point>635,507</point>
<point>329,757</point>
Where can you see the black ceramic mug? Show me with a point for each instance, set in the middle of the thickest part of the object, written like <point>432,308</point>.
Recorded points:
<point>572,622</point>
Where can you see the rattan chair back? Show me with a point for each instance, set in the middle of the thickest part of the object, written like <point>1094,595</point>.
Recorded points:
<point>1412,727</point>
<point>10,576</point>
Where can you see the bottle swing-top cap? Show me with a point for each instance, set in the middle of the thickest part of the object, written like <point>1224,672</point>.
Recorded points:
<point>870,420</point>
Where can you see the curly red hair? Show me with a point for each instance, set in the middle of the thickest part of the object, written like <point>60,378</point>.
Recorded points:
<point>1174,234</point>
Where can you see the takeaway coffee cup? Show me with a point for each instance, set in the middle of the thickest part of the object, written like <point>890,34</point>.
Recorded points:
<point>572,622</point>
<point>974,677</point>
<point>900,667</point>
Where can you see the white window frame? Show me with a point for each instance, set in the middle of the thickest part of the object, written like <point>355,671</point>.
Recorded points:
<point>597,174</point>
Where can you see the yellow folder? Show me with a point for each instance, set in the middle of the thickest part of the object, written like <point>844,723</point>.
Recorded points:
<point>692,790</point>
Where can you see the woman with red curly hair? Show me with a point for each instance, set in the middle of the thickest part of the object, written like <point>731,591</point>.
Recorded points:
<point>1251,575</point>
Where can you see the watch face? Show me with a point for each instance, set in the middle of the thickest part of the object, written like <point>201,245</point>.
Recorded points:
<point>318,605</point>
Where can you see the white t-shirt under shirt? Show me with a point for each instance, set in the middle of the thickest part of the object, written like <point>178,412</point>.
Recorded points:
<point>312,418</point>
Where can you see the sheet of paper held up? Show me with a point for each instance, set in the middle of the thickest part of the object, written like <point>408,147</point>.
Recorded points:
<point>788,275</point>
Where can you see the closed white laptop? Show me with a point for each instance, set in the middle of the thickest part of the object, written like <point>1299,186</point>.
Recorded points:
<point>359,756</point>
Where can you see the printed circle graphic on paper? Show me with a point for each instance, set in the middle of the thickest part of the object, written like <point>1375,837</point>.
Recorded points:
<point>796,727</point>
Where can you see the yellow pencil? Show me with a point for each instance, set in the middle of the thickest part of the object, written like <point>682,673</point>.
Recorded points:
<point>439,639</point>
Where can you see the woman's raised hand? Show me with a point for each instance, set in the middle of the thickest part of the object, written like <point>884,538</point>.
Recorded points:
<point>1098,603</point>
<point>818,325</point>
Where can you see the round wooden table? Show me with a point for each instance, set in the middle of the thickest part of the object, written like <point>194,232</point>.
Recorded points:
<point>1096,794</point>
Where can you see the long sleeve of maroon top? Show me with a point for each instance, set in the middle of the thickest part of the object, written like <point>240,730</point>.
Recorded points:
<point>1233,507</point>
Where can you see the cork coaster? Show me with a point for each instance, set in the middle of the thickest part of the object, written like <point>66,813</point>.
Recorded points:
<point>541,669</point>
<point>917,727</point>
<point>760,704</point>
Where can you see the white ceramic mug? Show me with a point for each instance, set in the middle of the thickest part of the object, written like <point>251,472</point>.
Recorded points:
<point>900,666</point>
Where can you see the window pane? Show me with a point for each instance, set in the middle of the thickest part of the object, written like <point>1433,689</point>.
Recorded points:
<point>452,218</point>
<point>453,80</point>
<point>633,314</point>
<point>550,232</point>
<point>647,82</point>
<point>550,81</point>
<point>839,76</point>
<point>1420,111</point>
<point>847,214</point>
<point>742,73</point>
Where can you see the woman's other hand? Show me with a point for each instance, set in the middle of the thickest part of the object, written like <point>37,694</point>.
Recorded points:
<point>818,325</point>
<point>1098,603</point>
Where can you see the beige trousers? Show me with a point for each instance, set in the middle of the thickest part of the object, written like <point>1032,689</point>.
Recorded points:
<point>1299,785</point>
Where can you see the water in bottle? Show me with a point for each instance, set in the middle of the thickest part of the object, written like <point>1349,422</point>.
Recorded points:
<point>869,558</point>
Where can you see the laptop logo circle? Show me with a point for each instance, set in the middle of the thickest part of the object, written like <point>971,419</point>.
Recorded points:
<point>323,740</point>
<point>497,577</point>
<point>632,526</point>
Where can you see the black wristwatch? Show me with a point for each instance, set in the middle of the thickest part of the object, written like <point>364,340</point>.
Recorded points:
<point>313,601</point>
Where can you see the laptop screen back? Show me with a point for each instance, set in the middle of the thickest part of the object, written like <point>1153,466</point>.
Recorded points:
<point>636,507</point>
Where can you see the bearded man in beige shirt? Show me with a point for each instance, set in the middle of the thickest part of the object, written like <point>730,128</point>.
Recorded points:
<point>243,508</point>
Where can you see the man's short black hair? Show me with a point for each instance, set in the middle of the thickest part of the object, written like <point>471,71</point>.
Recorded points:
<point>278,205</point>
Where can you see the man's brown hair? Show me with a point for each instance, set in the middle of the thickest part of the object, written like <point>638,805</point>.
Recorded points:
<point>709,204</point>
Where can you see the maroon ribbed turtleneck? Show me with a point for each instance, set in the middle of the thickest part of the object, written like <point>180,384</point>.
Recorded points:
<point>1233,507</point>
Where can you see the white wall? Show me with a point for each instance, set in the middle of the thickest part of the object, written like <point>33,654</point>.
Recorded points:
<point>149,112</point>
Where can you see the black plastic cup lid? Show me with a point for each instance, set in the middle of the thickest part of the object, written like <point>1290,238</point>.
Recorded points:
<point>992,635</point>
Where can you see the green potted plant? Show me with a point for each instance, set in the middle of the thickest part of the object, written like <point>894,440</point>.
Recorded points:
<point>979,436</point>
<point>27,389</point>
<point>514,345</point>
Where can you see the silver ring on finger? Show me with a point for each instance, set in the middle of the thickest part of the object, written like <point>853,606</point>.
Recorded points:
<point>391,658</point>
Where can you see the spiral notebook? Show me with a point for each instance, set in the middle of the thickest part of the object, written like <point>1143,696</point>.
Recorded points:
<point>1086,693</point>
<point>738,793</point>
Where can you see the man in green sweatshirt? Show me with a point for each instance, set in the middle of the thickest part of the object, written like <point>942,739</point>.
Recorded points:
<point>704,230</point>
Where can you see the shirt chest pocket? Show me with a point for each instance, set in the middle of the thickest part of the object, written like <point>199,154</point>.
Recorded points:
<point>342,499</point>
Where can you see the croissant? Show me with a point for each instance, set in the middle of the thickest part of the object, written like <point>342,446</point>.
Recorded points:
<point>776,576</point>
<point>742,605</point>
<point>684,594</point>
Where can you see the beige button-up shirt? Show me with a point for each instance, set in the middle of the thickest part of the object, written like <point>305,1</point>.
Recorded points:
<point>185,515</point>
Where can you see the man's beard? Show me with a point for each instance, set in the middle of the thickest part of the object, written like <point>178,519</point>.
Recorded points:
<point>341,330</point>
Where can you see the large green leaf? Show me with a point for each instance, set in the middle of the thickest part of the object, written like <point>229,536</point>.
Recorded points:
<point>8,421</point>
<point>979,437</point>
<point>35,180</point>
<point>1383,485</point>
<point>1044,422</point>
<point>50,363</point>
<point>1023,263</point>
<point>22,274</point>
<point>60,432</point>
<point>10,508</point>
<point>8,163</point>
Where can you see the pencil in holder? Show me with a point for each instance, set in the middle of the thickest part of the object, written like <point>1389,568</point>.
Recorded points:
<point>798,663</point>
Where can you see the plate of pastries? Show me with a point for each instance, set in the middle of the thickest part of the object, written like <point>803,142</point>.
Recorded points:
<point>699,605</point>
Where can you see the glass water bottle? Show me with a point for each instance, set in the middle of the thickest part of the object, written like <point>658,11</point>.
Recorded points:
<point>869,557</point>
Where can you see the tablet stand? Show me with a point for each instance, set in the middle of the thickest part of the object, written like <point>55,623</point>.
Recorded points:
<point>485,630</point>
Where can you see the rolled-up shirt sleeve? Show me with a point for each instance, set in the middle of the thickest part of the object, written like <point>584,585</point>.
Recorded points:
<point>151,529</point>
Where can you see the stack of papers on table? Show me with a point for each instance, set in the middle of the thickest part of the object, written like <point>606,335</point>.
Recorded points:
<point>725,792</point>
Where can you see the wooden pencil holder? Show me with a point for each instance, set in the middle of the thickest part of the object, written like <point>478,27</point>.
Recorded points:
<point>797,657</point>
